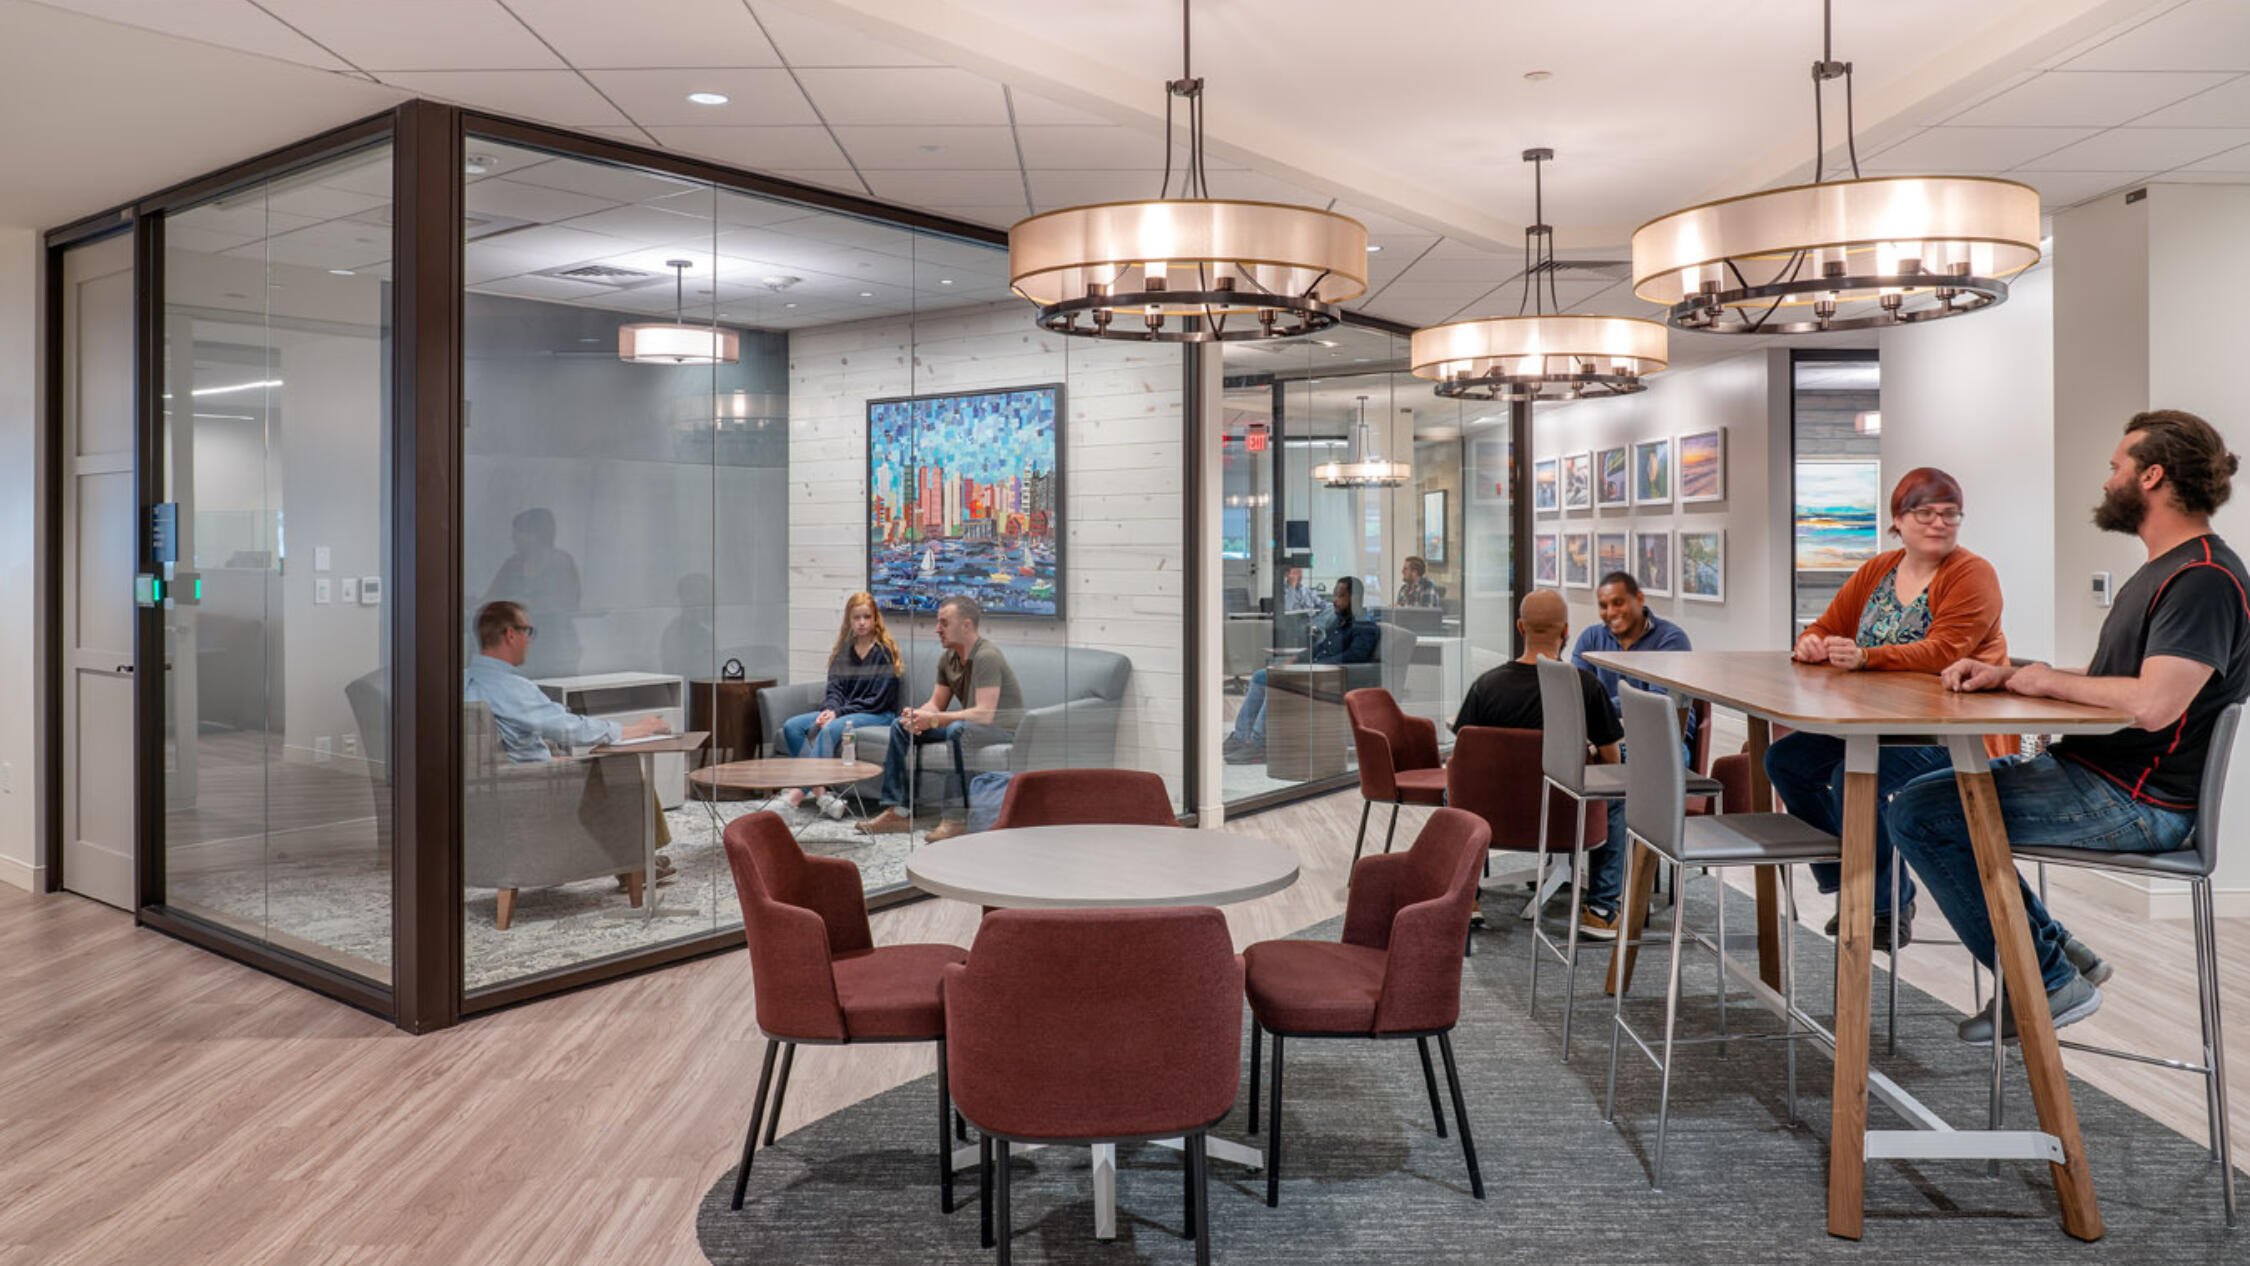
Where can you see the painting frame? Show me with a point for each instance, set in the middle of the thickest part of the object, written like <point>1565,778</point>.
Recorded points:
<point>1699,466</point>
<point>1577,552</point>
<point>1577,482</point>
<point>1433,526</point>
<point>1654,570</point>
<point>1546,485</point>
<point>1692,547</point>
<point>1652,471</point>
<point>1546,560</point>
<point>1044,509</point>
<point>1844,526</point>
<point>1605,560</point>
<point>1613,484</point>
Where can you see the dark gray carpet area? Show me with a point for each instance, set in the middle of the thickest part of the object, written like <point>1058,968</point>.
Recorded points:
<point>1366,1180</point>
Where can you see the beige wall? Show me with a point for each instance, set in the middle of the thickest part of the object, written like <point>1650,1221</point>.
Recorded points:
<point>19,465</point>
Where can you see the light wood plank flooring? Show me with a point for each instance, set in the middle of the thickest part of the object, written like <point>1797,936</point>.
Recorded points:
<point>163,1105</point>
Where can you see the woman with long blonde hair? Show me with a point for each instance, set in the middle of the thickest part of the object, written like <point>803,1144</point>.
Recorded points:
<point>864,668</point>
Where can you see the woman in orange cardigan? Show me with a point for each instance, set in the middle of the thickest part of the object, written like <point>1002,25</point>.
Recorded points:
<point>1914,609</point>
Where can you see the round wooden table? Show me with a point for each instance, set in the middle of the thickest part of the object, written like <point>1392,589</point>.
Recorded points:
<point>778,773</point>
<point>1106,865</point>
<point>1102,865</point>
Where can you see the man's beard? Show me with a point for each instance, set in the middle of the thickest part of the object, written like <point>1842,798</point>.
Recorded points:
<point>2122,510</point>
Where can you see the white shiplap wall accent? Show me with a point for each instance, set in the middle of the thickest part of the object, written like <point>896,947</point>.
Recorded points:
<point>1123,510</point>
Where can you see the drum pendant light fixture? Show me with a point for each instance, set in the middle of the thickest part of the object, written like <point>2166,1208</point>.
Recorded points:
<point>1537,354</point>
<point>1191,268</point>
<point>1860,253</point>
<point>1369,470</point>
<point>675,342</point>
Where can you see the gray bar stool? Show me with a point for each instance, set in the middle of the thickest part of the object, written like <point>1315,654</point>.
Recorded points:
<point>2193,864</point>
<point>1563,768</point>
<point>1656,819</point>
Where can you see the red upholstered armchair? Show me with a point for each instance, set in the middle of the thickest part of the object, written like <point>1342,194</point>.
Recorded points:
<point>1494,774</point>
<point>1398,759</point>
<point>1395,974</point>
<point>1071,797</point>
<point>818,976</point>
<point>1096,1026</point>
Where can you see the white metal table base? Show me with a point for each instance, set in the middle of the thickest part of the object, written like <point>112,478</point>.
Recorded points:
<point>1105,1169</point>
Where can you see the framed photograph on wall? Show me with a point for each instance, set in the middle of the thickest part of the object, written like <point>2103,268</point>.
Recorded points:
<point>1652,562</point>
<point>1578,481</point>
<point>1611,552</point>
<point>1578,560</point>
<point>1652,472</point>
<point>1838,514</point>
<point>1703,566</point>
<point>965,496</point>
<point>1546,491</point>
<point>1546,564</point>
<point>1702,473</point>
<point>1433,526</point>
<point>1613,476</point>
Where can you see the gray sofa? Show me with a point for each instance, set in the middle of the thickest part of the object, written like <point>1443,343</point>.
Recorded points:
<point>1072,698</point>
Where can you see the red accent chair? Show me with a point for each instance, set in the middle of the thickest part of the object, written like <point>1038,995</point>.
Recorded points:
<point>1072,797</point>
<point>1106,1026</point>
<point>819,979</point>
<point>1398,759</point>
<point>1395,974</point>
<point>1494,774</point>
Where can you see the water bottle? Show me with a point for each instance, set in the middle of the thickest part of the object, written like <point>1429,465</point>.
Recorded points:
<point>848,750</point>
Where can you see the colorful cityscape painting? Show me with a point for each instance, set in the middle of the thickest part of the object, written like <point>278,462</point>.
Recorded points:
<point>1836,514</point>
<point>964,497</point>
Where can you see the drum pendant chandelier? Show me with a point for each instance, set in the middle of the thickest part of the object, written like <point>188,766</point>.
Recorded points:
<point>1368,470</point>
<point>1899,248</point>
<point>676,342</point>
<point>1192,268</point>
<point>1539,355</point>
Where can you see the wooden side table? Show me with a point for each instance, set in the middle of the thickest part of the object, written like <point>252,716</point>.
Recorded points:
<point>1305,727</point>
<point>729,710</point>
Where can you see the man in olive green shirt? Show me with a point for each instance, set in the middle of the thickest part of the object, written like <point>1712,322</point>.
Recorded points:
<point>976,684</point>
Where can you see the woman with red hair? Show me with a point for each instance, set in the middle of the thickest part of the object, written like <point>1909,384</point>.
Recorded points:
<point>1916,609</point>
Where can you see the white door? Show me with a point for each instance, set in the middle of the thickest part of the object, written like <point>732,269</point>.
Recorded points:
<point>101,522</point>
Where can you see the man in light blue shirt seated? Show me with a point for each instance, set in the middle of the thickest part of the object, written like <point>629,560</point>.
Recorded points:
<point>527,719</point>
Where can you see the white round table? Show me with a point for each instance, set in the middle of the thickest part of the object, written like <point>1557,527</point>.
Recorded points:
<point>1088,867</point>
<point>1102,865</point>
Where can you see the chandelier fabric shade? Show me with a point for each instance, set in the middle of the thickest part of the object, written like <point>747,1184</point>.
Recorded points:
<point>668,343</point>
<point>1918,247</point>
<point>1536,357</point>
<point>1368,469</point>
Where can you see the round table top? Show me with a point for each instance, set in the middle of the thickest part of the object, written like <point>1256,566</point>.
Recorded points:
<point>1102,865</point>
<point>777,772</point>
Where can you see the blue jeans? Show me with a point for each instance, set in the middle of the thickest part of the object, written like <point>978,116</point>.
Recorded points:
<point>1250,723</point>
<point>958,735</point>
<point>2043,801</point>
<point>1605,863</point>
<point>797,732</point>
<point>1807,771</point>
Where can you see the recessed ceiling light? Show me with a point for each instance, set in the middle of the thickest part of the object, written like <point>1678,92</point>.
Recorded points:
<point>340,272</point>
<point>1374,248</point>
<point>589,340</point>
<point>708,98</point>
<point>945,281</point>
<point>477,164</point>
<point>778,281</point>
<point>1538,76</point>
<point>932,149</point>
<point>866,294</point>
<point>789,305</point>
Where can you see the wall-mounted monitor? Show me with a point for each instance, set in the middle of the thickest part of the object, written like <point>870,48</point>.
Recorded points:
<point>965,496</point>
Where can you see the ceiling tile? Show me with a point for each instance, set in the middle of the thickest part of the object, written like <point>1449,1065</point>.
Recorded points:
<point>651,225</point>
<point>909,97</point>
<point>2141,149</point>
<point>1111,146</point>
<point>998,216</point>
<point>764,149</point>
<point>418,34</point>
<point>2184,176</point>
<point>338,244</point>
<point>950,188</point>
<point>603,34</point>
<point>2202,35</point>
<point>2059,189</point>
<point>1051,189</point>
<point>553,289</point>
<point>809,41</point>
<point>843,181</point>
<point>231,23</point>
<point>1386,227</point>
<point>560,97</point>
<point>658,98</point>
<point>1457,291</point>
<point>2233,160</point>
<point>2227,105</point>
<point>1978,150</point>
<point>550,245</point>
<point>496,159</point>
<point>1033,110</point>
<point>931,148</point>
<point>325,202</point>
<point>601,180</point>
<point>1489,269</point>
<point>2089,98</point>
<point>511,200</point>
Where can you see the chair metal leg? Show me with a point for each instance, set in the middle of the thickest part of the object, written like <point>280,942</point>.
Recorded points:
<point>1000,1199</point>
<point>1273,1133</point>
<point>960,1126</point>
<point>1996,1111</point>
<point>1460,1115</point>
<point>1257,1035</point>
<point>2197,897</point>
<point>1538,890</point>
<point>1393,828</point>
<point>1429,1079</point>
<point>1577,909</point>
<point>984,1186</point>
<point>757,1111</point>
<point>1789,987</point>
<point>1198,1146</point>
<point>1617,999</point>
<point>1187,1188</point>
<point>945,1118</point>
<point>2207,950</point>
<point>1671,1019</point>
<point>781,1088</point>
<point>1890,1019</point>
<point>1720,880</point>
<point>1365,807</point>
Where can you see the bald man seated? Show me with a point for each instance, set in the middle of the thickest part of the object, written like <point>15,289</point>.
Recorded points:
<point>1507,697</point>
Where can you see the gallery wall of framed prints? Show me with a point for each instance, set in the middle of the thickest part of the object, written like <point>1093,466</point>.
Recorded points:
<point>1612,508</point>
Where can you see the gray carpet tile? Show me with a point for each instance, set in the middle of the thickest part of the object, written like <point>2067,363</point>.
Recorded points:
<point>1365,1180</point>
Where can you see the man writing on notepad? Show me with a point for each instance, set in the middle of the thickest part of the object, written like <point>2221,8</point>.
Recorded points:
<point>529,721</point>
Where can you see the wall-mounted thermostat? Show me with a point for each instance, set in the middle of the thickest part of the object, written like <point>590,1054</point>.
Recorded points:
<point>2102,591</point>
<point>370,591</point>
<point>350,586</point>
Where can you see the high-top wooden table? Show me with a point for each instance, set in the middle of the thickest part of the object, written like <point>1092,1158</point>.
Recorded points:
<point>1862,708</point>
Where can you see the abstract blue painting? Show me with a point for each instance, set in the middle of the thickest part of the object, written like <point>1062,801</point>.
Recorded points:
<point>1837,519</point>
<point>964,496</point>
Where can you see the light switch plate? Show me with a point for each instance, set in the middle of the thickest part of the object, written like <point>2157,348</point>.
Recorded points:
<point>351,588</point>
<point>320,589</point>
<point>320,558</point>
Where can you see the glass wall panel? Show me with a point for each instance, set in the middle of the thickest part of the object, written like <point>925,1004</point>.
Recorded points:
<point>276,415</point>
<point>1837,436</point>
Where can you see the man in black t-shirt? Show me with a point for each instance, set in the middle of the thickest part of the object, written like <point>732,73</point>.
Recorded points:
<point>1507,697</point>
<point>2174,652</point>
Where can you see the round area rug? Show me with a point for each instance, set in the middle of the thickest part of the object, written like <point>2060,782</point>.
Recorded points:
<point>1365,1180</point>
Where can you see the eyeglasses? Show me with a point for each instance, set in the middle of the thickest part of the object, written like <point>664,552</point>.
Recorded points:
<point>1926,515</point>
<point>527,630</point>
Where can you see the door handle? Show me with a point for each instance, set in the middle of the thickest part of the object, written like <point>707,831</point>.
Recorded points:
<point>123,670</point>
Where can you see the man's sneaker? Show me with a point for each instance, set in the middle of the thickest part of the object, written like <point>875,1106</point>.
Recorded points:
<point>2068,1005</point>
<point>1882,938</point>
<point>1593,925</point>
<point>889,822</point>
<point>834,805</point>
<point>2092,966</point>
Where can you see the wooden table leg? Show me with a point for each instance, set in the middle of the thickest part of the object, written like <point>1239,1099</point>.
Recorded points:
<point>1769,891</point>
<point>1640,879</point>
<point>2027,992</point>
<point>1855,944</point>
